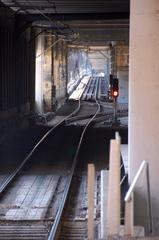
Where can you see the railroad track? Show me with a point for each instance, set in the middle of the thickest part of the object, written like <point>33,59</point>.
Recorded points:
<point>32,198</point>
<point>39,209</point>
<point>24,231</point>
<point>49,185</point>
<point>74,220</point>
<point>97,86</point>
<point>57,223</point>
<point>71,222</point>
<point>101,117</point>
<point>88,101</point>
<point>20,212</point>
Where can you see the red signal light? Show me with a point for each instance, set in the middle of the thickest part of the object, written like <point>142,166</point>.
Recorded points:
<point>114,86</point>
<point>115,93</point>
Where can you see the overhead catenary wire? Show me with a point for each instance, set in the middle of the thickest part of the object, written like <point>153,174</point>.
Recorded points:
<point>52,21</point>
<point>46,17</point>
<point>57,26</point>
<point>53,44</point>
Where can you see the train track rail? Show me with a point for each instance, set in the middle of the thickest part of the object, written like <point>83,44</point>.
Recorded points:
<point>9,179</point>
<point>16,225</point>
<point>32,198</point>
<point>96,85</point>
<point>37,221</point>
<point>57,222</point>
<point>74,220</point>
<point>42,209</point>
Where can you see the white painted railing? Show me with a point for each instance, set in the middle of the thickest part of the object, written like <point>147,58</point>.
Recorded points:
<point>129,203</point>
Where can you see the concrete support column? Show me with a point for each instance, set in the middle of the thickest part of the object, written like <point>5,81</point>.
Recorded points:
<point>56,63</point>
<point>144,104</point>
<point>57,57</point>
<point>39,73</point>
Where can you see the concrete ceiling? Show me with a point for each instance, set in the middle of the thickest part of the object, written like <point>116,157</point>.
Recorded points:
<point>96,21</point>
<point>68,6</point>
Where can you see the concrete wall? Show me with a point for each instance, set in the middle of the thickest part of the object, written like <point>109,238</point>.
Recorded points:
<point>51,77</point>
<point>39,73</point>
<point>144,104</point>
<point>47,76</point>
<point>59,72</point>
<point>120,68</point>
<point>16,63</point>
<point>100,61</point>
<point>123,86</point>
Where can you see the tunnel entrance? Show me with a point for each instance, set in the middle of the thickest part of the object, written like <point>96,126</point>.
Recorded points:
<point>86,61</point>
<point>61,67</point>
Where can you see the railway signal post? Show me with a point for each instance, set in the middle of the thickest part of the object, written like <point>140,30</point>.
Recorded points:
<point>115,94</point>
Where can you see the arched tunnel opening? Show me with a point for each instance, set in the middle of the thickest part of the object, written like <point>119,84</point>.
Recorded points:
<point>60,68</point>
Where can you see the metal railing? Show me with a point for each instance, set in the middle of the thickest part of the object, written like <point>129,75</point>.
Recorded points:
<point>129,201</point>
